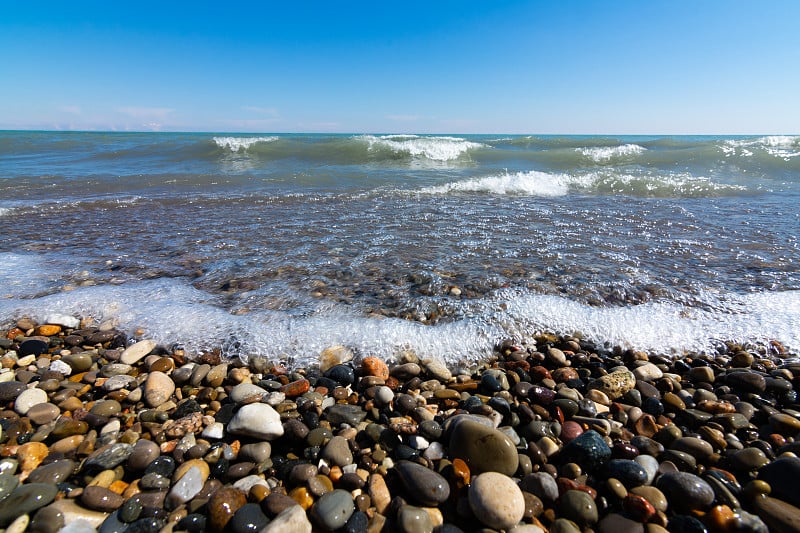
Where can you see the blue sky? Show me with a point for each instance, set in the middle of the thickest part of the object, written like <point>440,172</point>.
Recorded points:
<point>638,67</point>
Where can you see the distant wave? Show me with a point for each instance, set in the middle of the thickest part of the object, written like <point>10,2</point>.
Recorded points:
<point>607,154</point>
<point>434,148</point>
<point>783,146</point>
<point>535,183</point>
<point>240,144</point>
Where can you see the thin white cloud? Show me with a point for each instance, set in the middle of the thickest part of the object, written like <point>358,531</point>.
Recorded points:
<point>404,118</point>
<point>146,113</point>
<point>261,110</point>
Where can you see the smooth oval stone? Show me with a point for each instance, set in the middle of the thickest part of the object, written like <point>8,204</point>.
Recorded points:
<point>541,485</point>
<point>496,500</point>
<point>106,408</point>
<point>47,520</point>
<point>697,448</point>
<point>337,452</point>
<point>143,454</point>
<point>414,520</point>
<point>483,448</point>
<point>9,390</point>
<point>25,499</point>
<point>248,519</point>
<point>578,506</point>
<point>52,473</point>
<point>158,388</point>
<point>163,465</point>
<point>333,509</point>
<point>650,465</point>
<point>780,516</point>
<point>423,484</point>
<point>782,475</point>
<point>137,351</point>
<point>101,499</point>
<point>28,398</point>
<point>588,450</point>
<point>685,492</point>
<point>43,413</point>
<point>652,495</point>
<point>32,347</point>
<point>247,393</point>
<point>194,522</point>
<point>628,472</point>
<point>8,483</point>
<point>746,381</point>
<point>113,524</point>
<point>748,459</point>
<point>223,505</point>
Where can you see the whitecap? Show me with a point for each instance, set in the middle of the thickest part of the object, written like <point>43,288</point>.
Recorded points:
<point>434,148</point>
<point>531,183</point>
<point>238,144</point>
<point>605,154</point>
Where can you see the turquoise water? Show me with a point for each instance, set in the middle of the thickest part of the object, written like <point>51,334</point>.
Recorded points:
<point>284,244</point>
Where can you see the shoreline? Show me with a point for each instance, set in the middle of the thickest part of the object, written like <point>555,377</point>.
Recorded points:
<point>111,433</point>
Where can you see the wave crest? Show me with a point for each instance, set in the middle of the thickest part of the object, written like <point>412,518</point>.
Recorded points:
<point>783,146</point>
<point>241,144</point>
<point>607,154</point>
<point>532,183</point>
<point>434,148</point>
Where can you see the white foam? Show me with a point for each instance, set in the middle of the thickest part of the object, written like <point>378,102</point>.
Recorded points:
<point>782,146</point>
<point>4,211</point>
<point>660,184</point>
<point>666,327</point>
<point>434,148</point>
<point>239,144</point>
<point>605,154</point>
<point>532,183</point>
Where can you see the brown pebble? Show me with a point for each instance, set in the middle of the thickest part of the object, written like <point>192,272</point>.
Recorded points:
<point>100,498</point>
<point>223,505</point>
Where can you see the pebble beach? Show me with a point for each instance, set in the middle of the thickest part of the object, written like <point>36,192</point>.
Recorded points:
<point>112,432</point>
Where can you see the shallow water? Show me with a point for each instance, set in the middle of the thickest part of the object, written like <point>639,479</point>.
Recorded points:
<point>285,244</point>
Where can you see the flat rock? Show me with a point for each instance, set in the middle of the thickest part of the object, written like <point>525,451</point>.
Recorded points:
<point>344,414</point>
<point>496,500</point>
<point>257,420</point>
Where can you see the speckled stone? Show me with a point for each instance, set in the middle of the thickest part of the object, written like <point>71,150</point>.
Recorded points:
<point>685,492</point>
<point>108,457</point>
<point>588,450</point>
<point>615,384</point>
<point>9,390</point>
<point>423,484</point>
<point>333,509</point>
<point>483,448</point>
<point>496,500</point>
<point>629,473</point>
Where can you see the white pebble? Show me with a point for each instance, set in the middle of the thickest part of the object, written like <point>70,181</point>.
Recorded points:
<point>61,367</point>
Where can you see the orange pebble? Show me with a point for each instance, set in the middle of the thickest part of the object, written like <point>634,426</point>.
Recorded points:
<point>374,366</point>
<point>719,518</point>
